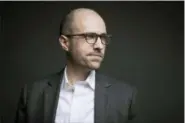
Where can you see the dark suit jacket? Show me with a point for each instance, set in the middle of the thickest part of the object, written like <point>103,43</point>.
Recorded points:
<point>114,101</point>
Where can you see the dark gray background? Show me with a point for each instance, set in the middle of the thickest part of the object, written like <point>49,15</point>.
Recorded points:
<point>146,51</point>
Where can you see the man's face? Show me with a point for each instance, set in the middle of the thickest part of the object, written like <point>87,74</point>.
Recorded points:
<point>83,53</point>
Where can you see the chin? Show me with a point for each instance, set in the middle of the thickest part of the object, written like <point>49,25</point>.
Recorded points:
<point>94,66</point>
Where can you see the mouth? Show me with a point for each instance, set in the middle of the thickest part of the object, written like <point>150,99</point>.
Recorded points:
<point>96,55</point>
<point>95,58</point>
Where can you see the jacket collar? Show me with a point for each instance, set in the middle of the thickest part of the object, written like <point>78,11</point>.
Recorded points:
<point>51,96</point>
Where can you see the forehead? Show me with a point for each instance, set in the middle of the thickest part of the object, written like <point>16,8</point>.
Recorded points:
<point>89,23</point>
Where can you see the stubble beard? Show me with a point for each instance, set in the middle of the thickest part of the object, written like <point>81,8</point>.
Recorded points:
<point>87,63</point>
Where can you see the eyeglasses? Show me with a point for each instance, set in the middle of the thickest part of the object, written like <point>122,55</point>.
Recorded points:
<point>91,38</point>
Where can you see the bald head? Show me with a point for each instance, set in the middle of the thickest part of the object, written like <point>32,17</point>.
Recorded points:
<point>78,19</point>
<point>83,37</point>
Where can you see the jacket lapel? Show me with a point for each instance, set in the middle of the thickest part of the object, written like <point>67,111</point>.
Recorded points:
<point>101,99</point>
<point>51,96</point>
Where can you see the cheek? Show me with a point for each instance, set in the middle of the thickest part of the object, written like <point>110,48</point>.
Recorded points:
<point>79,50</point>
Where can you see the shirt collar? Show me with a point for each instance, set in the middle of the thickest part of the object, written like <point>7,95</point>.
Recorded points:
<point>90,80</point>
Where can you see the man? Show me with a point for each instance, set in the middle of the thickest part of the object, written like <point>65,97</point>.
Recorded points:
<point>79,93</point>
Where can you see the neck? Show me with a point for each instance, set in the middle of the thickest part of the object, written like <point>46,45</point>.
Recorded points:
<point>76,73</point>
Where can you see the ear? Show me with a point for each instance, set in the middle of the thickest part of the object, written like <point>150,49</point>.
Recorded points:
<point>64,42</point>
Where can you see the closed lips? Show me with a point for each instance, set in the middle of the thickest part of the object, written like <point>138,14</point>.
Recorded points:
<point>96,55</point>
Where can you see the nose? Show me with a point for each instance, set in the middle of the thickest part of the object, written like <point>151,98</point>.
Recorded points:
<point>98,44</point>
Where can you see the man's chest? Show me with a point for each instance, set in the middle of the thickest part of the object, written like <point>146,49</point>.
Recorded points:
<point>103,105</point>
<point>75,105</point>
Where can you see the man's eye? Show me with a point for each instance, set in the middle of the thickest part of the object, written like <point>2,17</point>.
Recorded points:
<point>90,36</point>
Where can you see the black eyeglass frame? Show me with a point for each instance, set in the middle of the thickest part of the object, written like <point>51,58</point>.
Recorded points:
<point>85,35</point>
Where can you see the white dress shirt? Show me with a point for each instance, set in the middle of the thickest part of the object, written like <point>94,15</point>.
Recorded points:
<point>76,103</point>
